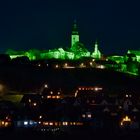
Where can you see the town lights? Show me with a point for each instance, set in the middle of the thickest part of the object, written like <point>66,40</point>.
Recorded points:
<point>91,63</point>
<point>57,66</point>
<point>35,104</point>
<point>97,88</point>
<point>124,120</point>
<point>39,65</point>
<point>25,123</point>
<point>66,64</point>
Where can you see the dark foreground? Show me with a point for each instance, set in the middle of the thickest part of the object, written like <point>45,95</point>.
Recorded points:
<point>81,135</point>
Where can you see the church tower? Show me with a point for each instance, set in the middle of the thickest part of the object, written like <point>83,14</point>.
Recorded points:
<point>96,54</point>
<point>74,35</point>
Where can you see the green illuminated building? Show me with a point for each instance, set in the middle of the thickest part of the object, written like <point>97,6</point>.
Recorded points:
<point>76,51</point>
<point>75,35</point>
<point>96,54</point>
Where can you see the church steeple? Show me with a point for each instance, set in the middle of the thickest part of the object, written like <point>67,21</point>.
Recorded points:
<point>96,47</point>
<point>96,54</point>
<point>75,29</point>
<point>75,34</point>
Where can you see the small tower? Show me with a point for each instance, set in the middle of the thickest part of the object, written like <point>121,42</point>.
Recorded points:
<point>74,35</point>
<point>96,54</point>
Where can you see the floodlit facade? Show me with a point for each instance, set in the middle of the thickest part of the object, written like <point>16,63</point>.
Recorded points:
<point>76,51</point>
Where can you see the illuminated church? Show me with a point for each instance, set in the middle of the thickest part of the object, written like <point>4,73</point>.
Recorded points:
<point>76,51</point>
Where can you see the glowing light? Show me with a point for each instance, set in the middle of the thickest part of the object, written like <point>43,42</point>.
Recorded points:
<point>56,66</point>
<point>57,97</point>
<point>65,123</point>
<point>6,124</point>
<point>51,123</point>
<point>48,97</point>
<point>56,123</point>
<point>45,123</point>
<point>45,86</point>
<point>125,119</point>
<point>40,117</point>
<point>120,107</point>
<point>97,88</point>
<point>83,115</point>
<point>100,67</point>
<point>75,94</point>
<point>51,92</point>
<point>25,123</point>
<point>34,104</point>
<point>66,64</point>
<point>89,115</point>
<point>126,95</point>
<point>53,97</point>
<point>91,63</point>
<point>82,65</point>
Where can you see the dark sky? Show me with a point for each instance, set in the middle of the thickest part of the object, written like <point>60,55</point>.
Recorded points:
<point>46,24</point>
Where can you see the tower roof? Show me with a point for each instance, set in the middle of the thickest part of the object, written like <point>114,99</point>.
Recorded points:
<point>74,28</point>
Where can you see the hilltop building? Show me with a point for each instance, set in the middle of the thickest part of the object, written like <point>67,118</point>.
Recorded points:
<point>76,51</point>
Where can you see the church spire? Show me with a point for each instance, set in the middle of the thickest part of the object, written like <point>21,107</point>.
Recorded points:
<point>96,46</point>
<point>75,29</point>
<point>96,54</point>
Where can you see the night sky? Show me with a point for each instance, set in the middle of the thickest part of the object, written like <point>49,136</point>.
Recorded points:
<point>46,24</point>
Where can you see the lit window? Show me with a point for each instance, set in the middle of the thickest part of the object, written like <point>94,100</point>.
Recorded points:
<point>126,95</point>
<point>56,123</point>
<point>51,123</point>
<point>25,123</point>
<point>89,115</point>
<point>83,115</point>
<point>65,65</point>
<point>34,104</point>
<point>48,97</point>
<point>53,97</point>
<point>29,100</point>
<point>57,97</point>
<point>75,94</point>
